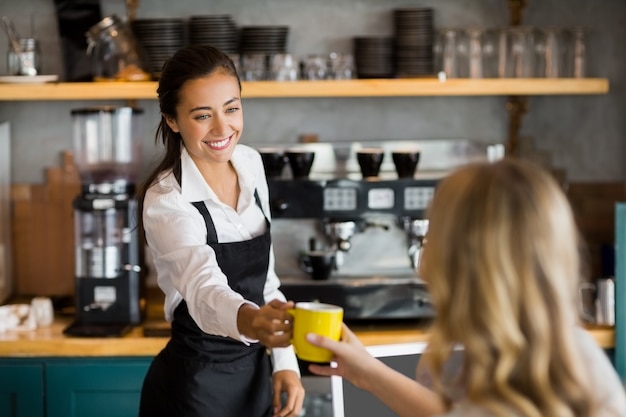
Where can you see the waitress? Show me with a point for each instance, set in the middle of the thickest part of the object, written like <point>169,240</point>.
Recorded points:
<point>206,219</point>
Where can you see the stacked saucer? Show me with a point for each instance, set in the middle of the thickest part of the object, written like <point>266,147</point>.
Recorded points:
<point>159,38</point>
<point>268,40</point>
<point>373,57</point>
<point>219,31</point>
<point>414,41</point>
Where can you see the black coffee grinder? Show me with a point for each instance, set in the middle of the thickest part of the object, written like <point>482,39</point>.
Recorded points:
<point>108,273</point>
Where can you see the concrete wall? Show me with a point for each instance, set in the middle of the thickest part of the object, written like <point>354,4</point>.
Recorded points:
<point>581,134</point>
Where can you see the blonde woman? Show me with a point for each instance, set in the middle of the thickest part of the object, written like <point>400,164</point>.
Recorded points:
<point>502,265</point>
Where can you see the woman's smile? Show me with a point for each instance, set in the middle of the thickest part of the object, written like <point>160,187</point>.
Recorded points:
<point>220,144</point>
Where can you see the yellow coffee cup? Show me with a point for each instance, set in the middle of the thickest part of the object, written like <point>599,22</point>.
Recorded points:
<point>319,318</point>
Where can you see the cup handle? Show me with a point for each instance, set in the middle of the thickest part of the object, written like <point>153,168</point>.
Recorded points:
<point>292,311</point>
<point>581,290</point>
<point>305,264</point>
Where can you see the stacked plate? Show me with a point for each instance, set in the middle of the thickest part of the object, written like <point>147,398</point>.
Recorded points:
<point>373,57</point>
<point>267,40</point>
<point>414,38</point>
<point>219,31</point>
<point>160,38</point>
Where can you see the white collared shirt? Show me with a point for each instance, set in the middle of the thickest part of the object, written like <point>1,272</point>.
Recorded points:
<point>187,267</point>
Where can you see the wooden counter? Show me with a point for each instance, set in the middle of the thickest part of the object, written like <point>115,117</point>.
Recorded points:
<point>50,341</point>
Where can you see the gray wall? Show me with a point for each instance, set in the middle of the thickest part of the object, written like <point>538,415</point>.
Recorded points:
<point>581,134</point>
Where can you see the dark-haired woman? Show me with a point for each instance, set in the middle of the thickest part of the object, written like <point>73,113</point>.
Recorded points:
<point>206,217</point>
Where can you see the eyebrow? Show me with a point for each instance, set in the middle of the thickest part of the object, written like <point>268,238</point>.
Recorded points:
<point>228,102</point>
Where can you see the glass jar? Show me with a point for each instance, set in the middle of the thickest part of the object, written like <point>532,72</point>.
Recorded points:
<point>27,61</point>
<point>114,52</point>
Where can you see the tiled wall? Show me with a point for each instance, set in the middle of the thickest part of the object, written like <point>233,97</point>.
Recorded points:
<point>582,134</point>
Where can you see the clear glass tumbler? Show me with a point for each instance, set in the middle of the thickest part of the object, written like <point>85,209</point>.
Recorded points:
<point>579,47</point>
<point>27,61</point>
<point>521,52</point>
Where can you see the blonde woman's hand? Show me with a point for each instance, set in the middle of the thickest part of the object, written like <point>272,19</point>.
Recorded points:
<point>287,382</point>
<point>271,324</point>
<point>353,362</point>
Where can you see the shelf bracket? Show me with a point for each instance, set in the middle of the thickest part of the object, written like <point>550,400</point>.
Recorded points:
<point>516,107</point>
<point>516,7</point>
<point>131,9</point>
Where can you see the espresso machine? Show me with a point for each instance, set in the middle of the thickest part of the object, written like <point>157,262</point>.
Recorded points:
<point>376,228</point>
<point>108,272</point>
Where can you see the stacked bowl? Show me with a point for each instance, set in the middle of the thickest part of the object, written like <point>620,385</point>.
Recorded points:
<point>159,38</point>
<point>219,31</point>
<point>266,40</point>
<point>373,57</point>
<point>414,41</point>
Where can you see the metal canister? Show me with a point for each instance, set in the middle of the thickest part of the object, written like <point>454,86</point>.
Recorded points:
<point>605,301</point>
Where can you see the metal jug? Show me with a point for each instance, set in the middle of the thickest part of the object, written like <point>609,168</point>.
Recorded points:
<point>605,301</point>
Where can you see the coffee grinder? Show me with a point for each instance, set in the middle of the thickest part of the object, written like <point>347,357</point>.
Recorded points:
<point>107,153</point>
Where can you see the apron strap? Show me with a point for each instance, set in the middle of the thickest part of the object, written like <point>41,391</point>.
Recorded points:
<point>211,234</point>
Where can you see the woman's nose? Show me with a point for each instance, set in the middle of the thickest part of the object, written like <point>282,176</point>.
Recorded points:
<point>219,126</point>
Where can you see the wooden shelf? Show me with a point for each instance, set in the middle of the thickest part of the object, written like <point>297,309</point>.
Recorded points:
<point>405,87</point>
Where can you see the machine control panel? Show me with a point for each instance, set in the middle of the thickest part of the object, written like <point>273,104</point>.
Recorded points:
<point>380,199</point>
<point>348,199</point>
<point>418,198</point>
<point>340,199</point>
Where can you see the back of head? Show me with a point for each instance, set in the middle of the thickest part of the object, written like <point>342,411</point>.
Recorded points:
<point>502,265</point>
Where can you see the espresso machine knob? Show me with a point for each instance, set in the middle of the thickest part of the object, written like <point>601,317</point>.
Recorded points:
<point>340,233</point>
<point>344,245</point>
<point>280,205</point>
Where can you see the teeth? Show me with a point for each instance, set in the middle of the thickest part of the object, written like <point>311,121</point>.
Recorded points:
<point>219,144</point>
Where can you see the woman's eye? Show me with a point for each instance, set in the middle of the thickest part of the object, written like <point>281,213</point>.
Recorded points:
<point>202,117</point>
<point>232,109</point>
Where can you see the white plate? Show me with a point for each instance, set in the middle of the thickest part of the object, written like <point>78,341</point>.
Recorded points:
<point>28,79</point>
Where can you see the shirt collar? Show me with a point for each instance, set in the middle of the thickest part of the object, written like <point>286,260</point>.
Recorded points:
<point>195,188</point>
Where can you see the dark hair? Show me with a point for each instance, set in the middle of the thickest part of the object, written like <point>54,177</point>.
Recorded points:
<point>189,63</point>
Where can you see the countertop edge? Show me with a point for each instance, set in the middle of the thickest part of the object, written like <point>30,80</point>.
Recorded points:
<point>50,341</point>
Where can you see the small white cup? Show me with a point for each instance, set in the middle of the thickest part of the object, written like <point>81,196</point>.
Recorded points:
<point>42,310</point>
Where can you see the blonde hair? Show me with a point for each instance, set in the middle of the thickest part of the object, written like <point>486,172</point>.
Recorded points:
<point>502,265</point>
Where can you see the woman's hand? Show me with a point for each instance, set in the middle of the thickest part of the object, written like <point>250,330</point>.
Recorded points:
<point>403,395</point>
<point>288,382</point>
<point>271,324</point>
<point>354,363</point>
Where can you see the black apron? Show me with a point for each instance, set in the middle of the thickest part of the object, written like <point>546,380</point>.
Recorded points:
<point>198,374</point>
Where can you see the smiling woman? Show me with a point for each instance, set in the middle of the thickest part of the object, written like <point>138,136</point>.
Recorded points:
<point>206,217</point>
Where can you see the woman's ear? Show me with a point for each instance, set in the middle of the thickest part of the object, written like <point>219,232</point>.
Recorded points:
<point>171,122</point>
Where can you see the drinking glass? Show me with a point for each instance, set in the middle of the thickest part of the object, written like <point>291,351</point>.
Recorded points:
<point>579,49</point>
<point>341,66</point>
<point>521,52</point>
<point>454,52</point>
<point>283,67</point>
<point>501,40</point>
<point>315,67</point>
<point>475,52</point>
<point>550,47</point>
<point>253,67</point>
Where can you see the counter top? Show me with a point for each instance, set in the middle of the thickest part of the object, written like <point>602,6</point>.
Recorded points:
<point>50,341</point>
